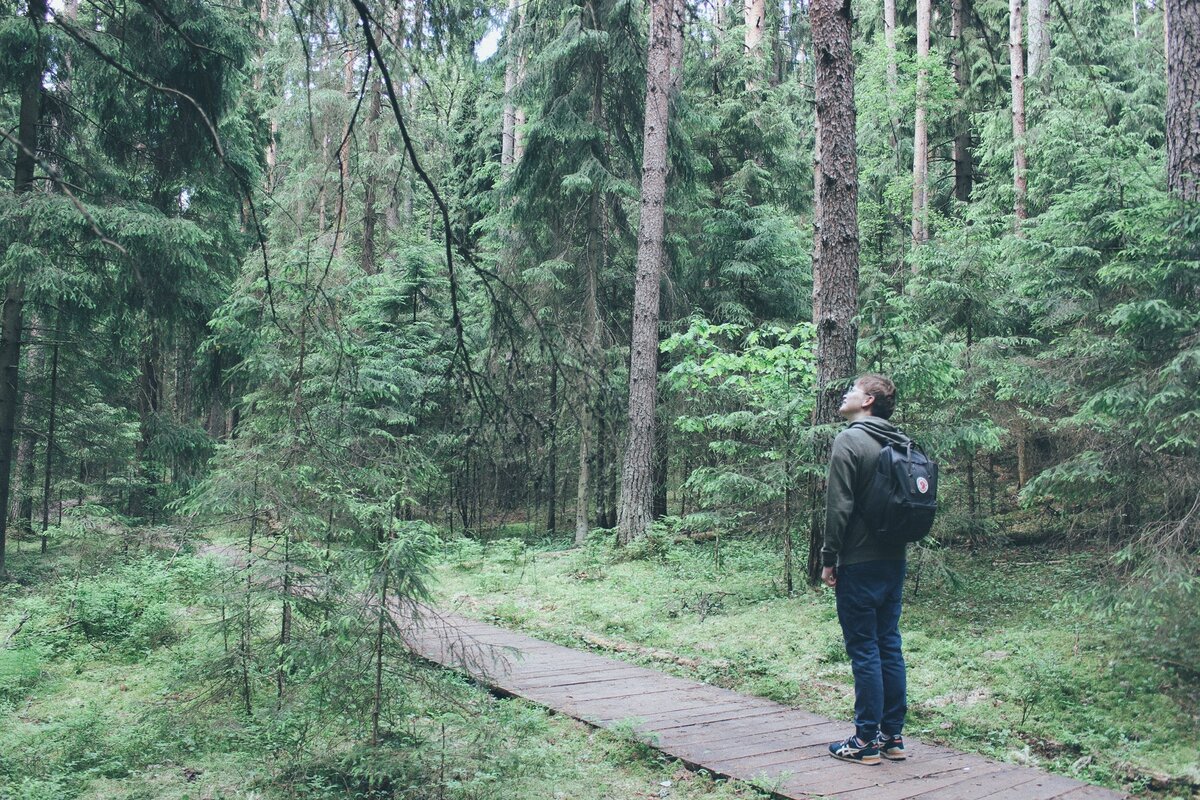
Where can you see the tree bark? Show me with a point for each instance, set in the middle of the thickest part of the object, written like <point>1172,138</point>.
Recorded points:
<point>519,112</point>
<point>28,117</point>
<point>49,447</point>
<point>893,77</point>
<point>1183,98</point>
<point>963,171</point>
<point>835,239</point>
<point>509,121</point>
<point>637,483</point>
<point>755,12</point>
<point>370,212</point>
<point>920,194</point>
<point>1016,59</point>
<point>1038,35</point>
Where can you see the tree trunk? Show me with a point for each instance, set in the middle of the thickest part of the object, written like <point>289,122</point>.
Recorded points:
<point>14,295</point>
<point>835,239</point>
<point>637,484</point>
<point>370,212</point>
<point>25,468</point>
<point>1183,98</point>
<point>1016,59</point>
<point>755,18</point>
<point>49,447</point>
<point>519,113</point>
<point>552,460</point>
<point>963,175</point>
<point>508,125</point>
<point>216,396</point>
<point>920,194</point>
<point>377,700</point>
<point>893,77</point>
<point>1038,14</point>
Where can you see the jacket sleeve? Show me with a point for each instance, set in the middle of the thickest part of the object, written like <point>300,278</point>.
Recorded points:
<point>839,500</point>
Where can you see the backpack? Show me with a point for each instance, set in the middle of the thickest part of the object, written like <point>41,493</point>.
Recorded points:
<point>902,498</point>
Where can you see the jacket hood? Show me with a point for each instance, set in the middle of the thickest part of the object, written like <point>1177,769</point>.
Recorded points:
<point>880,430</point>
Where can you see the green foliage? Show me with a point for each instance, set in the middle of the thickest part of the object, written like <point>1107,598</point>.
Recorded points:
<point>743,398</point>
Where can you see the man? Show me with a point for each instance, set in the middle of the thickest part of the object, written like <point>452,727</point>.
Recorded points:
<point>867,576</point>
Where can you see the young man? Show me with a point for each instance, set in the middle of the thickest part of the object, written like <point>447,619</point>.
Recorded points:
<point>867,576</point>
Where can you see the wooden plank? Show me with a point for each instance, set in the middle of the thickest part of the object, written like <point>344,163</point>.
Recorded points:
<point>959,781</point>
<point>725,732</point>
<point>1042,787</point>
<point>576,678</point>
<point>1089,792</point>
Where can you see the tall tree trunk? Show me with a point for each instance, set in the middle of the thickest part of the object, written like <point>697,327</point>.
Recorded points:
<point>963,175</point>
<point>377,699</point>
<point>519,112</point>
<point>920,194</point>
<point>370,191</point>
<point>637,483</point>
<point>893,76</point>
<point>1016,58</point>
<point>49,446</point>
<point>756,20</point>
<point>1183,98</point>
<point>552,460</point>
<point>14,294</point>
<point>1038,15</point>
<point>835,240</point>
<point>25,468</point>
<point>216,396</point>
<point>508,125</point>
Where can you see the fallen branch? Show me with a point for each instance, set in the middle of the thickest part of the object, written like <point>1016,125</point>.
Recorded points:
<point>24,618</point>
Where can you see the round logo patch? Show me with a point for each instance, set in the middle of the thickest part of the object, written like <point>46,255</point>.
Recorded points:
<point>922,485</point>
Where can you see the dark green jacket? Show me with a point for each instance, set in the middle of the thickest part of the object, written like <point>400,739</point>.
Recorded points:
<point>851,468</point>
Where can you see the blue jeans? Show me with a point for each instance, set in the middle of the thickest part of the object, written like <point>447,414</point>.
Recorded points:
<point>868,606</point>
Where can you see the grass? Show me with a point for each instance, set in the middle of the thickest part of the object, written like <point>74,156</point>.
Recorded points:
<point>1008,653</point>
<point>108,693</point>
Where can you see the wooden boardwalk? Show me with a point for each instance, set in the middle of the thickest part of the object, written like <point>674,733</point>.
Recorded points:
<point>728,734</point>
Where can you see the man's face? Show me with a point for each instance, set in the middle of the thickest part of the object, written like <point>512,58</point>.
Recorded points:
<point>855,401</point>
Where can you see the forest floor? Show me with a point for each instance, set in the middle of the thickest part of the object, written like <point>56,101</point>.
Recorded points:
<point>114,685</point>
<point>1013,653</point>
<point>116,680</point>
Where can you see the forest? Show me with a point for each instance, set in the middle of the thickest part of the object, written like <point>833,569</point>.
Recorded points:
<point>541,311</point>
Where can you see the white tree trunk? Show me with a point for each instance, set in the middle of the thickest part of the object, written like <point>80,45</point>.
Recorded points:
<point>920,196</point>
<point>1016,58</point>
<point>1039,38</point>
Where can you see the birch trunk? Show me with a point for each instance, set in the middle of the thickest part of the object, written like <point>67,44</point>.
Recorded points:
<point>920,195</point>
<point>1038,15</point>
<point>755,12</point>
<point>1016,58</point>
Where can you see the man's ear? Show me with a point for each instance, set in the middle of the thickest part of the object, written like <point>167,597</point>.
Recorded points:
<point>868,401</point>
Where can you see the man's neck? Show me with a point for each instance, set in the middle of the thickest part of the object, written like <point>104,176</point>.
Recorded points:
<point>859,415</point>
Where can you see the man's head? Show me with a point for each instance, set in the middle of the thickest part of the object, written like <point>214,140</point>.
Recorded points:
<point>871,395</point>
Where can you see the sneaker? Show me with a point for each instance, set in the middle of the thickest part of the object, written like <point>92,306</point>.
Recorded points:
<point>856,751</point>
<point>890,747</point>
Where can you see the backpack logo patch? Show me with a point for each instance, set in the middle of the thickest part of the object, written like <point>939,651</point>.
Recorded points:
<point>923,485</point>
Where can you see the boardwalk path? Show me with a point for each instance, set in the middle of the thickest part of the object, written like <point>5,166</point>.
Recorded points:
<point>721,731</point>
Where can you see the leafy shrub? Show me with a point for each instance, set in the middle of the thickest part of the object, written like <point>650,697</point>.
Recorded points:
<point>19,672</point>
<point>130,608</point>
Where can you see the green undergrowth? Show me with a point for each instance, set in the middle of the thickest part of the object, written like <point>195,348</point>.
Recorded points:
<point>1012,653</point>
<point>111,687</point>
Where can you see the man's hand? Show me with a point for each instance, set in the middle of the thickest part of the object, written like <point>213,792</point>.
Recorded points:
<point>829,576</point>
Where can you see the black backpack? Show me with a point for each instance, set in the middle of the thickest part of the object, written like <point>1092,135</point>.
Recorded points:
<point>902,498</point>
